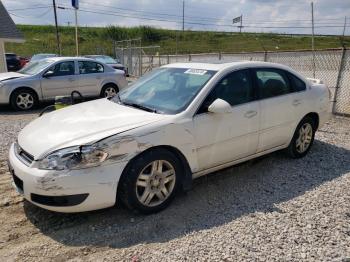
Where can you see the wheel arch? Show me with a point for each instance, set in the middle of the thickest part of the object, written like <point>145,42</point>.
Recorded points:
<point>186,183</point>
<point>315,117</point>
<point>23,88</point>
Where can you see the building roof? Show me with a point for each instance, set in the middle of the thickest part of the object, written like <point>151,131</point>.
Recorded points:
<point>8,29</point>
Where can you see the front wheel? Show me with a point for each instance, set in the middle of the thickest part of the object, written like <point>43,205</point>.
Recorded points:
<point>151,181</point>
<point>23,99</point>
<point>303,138</point>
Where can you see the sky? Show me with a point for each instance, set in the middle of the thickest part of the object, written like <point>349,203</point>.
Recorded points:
<point>282,16</point>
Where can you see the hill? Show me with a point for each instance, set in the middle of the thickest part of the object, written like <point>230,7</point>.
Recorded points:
<point>98,40</point>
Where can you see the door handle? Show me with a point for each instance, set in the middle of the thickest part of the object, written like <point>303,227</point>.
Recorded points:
<point>71,79</point>
<point>296,102</point>
<point>250,114</point>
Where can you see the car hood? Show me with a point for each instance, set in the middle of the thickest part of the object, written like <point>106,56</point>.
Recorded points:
<point>10,75</point>
<point>81,124</point>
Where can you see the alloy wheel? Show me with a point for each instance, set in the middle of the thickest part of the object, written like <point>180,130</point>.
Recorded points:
<point>25,101</point>
<point>304,139</point>
<point>110,92</point>
<point>155,183</point>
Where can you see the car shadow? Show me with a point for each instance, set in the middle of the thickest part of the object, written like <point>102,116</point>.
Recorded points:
<point>254,186</point>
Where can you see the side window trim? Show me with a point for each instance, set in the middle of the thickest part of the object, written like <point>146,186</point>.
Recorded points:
<point>254,89</point>
<point>256,82</point>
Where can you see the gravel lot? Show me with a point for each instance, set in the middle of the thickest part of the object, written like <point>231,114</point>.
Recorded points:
<point>272,208</point>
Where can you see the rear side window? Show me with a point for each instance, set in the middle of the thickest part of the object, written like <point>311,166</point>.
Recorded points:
<point>89,67</point>
<point>297,84</point>
<point>272,82</point>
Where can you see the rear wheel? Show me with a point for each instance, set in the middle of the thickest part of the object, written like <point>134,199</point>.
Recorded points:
<point>23,99</point>
<point>151,181</point>
<point>109,90</point>
<point>303,138</point>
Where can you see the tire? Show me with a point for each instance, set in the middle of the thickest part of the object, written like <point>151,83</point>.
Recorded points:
<point>303,138</point>
<point>24,99</point>
<point>142,189</point>
<point>109,90</point>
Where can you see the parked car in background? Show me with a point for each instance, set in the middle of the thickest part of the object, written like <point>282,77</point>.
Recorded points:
<point>13,62</point>
<point>177,123</point>
<point>59,76</point>
<point>109,61</point>
<point>38,57</point>
<point>23,61</point>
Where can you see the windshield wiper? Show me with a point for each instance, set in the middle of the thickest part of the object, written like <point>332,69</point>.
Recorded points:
<point>145,108</point>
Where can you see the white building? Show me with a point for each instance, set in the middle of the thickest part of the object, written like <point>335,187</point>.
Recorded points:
<point>8,33</point>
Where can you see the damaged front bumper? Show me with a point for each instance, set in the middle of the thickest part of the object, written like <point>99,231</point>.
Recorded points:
<point>69,190</point>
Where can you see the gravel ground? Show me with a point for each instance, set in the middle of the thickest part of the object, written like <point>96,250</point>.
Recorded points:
<point>268,209</point>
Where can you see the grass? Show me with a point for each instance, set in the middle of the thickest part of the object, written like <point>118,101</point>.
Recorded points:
<point>94,40</point>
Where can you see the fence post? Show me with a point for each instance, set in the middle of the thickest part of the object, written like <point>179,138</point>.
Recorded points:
<point>219,55</point>
<point>189,57</point>
<point>168,59</point>
<point>341,68</point>
<point>265,56</point>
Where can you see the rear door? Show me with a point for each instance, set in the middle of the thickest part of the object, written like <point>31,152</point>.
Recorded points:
<point>278,110</point>
<point>61,82</point>
<point>91,75</point>
<point>221,138</point>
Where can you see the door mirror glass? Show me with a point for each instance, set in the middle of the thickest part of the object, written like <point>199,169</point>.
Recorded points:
<point>49,73</point>
<point>220,106</point>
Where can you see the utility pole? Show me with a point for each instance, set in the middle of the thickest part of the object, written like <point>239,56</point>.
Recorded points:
<point>240,27</point>
<point>76,32</point>
<point>344,27</point>
<point>183,15</point>
<point>56,25</point>
<point>313,39</point>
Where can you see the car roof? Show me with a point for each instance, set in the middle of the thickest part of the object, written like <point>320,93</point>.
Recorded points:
<point>221,65</point>
<point>64,58</point>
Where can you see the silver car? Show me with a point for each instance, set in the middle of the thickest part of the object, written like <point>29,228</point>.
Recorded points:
<point>59,76</point>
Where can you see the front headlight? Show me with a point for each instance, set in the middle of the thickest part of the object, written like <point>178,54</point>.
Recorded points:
<point>76,157</point>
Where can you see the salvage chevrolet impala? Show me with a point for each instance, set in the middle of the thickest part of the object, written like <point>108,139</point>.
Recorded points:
<point>177,123</point>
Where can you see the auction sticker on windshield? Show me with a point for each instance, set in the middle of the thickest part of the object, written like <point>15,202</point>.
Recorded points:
<point>195,71</point>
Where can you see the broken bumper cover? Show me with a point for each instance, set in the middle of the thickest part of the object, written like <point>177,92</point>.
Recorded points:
<point>70,190</point>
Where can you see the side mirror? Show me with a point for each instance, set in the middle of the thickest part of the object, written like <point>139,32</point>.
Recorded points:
<point>220,106</point>
<point>48,74</point>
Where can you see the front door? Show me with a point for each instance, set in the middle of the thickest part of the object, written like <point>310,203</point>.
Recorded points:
<point>221,138</point>
<point>59,80</point>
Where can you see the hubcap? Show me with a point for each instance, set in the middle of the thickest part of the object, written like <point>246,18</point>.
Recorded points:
<point>155,183</point>
<point>305,136</point>
<point>110,91</point>
<point>25,101</point>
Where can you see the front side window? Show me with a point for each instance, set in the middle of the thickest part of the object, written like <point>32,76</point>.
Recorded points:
<point>272,82</point>
<point>235,89</point>
<point>165,90</point>
<point>89,67</point>
<point>63,69</point>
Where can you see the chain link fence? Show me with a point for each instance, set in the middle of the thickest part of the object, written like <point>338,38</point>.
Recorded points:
<point>331,66</point>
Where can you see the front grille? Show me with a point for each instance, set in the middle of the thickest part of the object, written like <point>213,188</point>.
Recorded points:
<point>18,182</point>
<point>23,155</point>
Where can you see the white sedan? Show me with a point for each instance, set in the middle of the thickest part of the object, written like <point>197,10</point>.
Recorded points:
<point>177,123</point>
<point>59,76</point>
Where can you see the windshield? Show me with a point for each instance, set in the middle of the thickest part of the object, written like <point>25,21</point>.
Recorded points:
<point>165,90</point>
<point>35,67</point>
<point>106,59</point>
